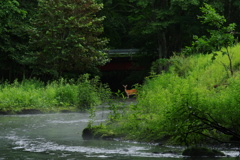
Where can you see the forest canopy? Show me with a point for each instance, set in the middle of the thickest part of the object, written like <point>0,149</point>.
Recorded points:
<point>51,37</point>
<point>59,38</point>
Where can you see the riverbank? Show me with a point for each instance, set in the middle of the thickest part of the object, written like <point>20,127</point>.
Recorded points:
<point>36,111</point>
<point>194,103</point>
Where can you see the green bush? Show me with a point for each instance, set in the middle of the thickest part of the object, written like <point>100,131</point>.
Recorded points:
<point>186,108</point>
<point>55,95</point>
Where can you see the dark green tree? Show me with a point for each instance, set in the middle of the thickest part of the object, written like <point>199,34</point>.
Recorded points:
<point>163,26</point>
<point>13,39</point>
<point>116,24</point>
<point>158,26</point>
<point>65,37</point>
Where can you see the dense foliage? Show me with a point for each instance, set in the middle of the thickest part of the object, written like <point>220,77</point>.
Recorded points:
<point>50,39</point>
<point>64,36</point>
<point>54,96</point>
<point>195,99</point>
<point>13,39</point>
<point>53,38</point>
<point>189,104</point>
<point>159,27</point>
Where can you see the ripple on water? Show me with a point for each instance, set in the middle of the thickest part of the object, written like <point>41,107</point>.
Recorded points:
<point>42,145</point>
<point>231,153</point>
<point>74,121</point>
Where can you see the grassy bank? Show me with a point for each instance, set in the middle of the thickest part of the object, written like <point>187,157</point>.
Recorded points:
<point>54,96</point>
<point>196,101</point>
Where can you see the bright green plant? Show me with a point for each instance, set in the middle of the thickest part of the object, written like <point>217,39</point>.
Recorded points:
<point>66,93</point>
<point>56,95</point>
<point>159,66</point>
<point>91,91</point>
<point>220,38</point>
<point>182,65</point>
<point>187,109</point>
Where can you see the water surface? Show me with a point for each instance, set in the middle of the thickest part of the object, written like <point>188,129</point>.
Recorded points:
<point>58,136</point>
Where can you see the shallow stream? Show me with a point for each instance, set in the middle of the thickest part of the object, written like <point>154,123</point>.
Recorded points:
<point>58,136</point>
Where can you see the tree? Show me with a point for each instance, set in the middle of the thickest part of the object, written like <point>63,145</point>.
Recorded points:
<point>64,37</point>
<point>163,26</point>
<point>158,26</point>
<point>13,40</point>
<point>116,23</point>
<point>219,36</point>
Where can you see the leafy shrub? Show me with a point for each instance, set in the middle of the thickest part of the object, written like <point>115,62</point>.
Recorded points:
<point>182,65</point>
<point>33,94</point>
<point>188,108</point>
<point>92,92</point>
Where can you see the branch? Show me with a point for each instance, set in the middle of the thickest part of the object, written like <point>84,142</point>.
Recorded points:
<point>215,125</point>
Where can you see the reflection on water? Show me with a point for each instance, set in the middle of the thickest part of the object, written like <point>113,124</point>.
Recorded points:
<point>58,136</point>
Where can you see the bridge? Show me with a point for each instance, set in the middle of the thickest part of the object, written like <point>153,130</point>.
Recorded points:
<point>121,60</point>
<point>128,52</point>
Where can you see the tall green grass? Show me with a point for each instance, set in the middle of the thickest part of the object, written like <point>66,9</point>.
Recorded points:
<point>169,103</point>
<point>53,96</point>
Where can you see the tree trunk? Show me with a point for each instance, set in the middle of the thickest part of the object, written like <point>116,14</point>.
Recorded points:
<point>162,45</point>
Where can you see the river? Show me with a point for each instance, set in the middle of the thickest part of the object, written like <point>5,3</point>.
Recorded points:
<point>59,136</point>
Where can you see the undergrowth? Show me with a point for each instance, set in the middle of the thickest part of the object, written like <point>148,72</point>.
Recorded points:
<point>56,95</point>
<point>194,102</point>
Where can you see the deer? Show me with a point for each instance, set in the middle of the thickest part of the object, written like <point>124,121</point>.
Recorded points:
<point>129,92</point>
